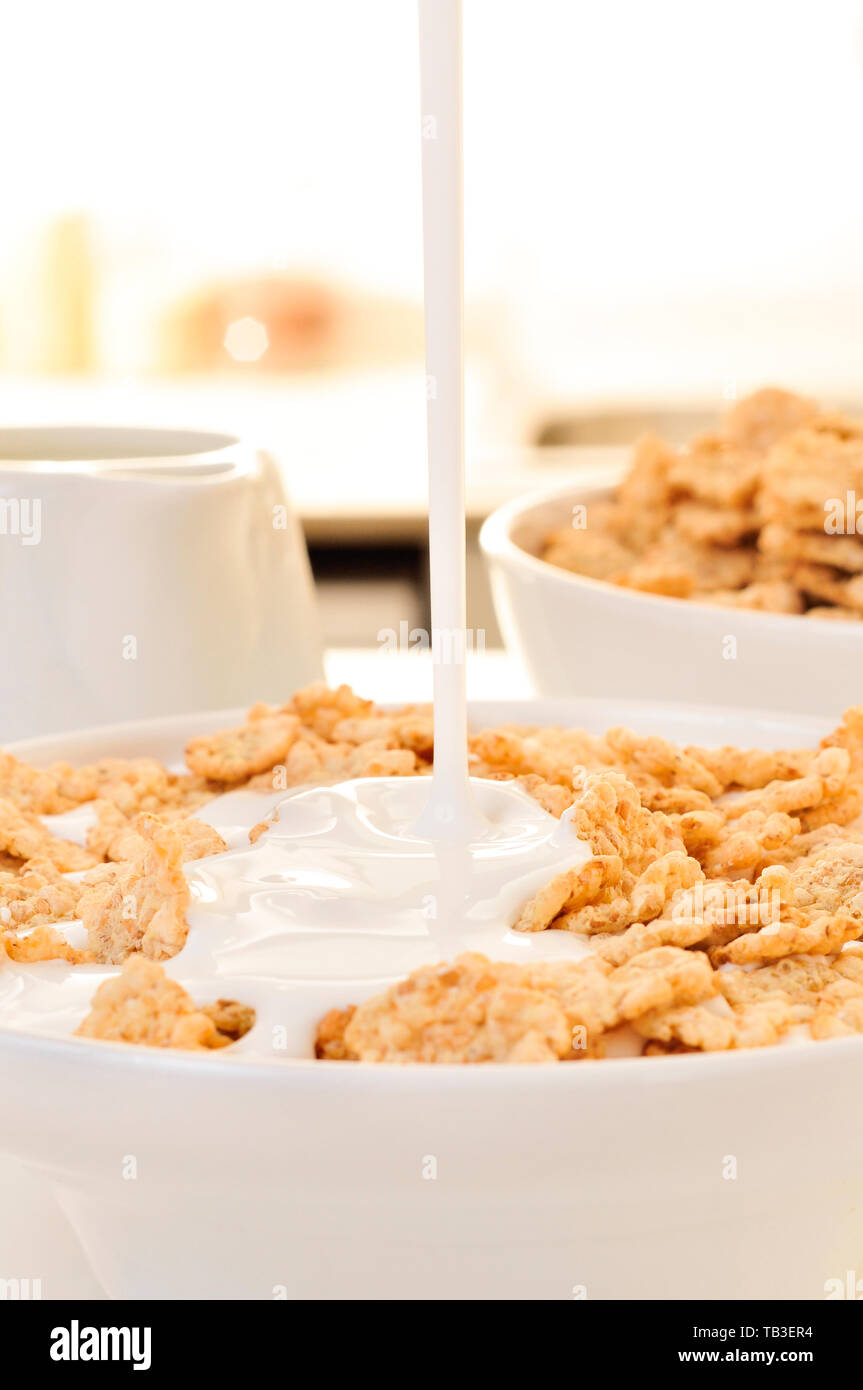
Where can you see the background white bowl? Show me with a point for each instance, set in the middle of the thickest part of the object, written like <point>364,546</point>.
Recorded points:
<point>586,637</point>
<point>723,1176</point>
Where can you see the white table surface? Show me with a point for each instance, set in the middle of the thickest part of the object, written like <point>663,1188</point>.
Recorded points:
<point>406,677</point>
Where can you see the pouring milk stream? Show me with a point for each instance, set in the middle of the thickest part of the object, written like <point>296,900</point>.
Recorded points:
<point>357,884</point>
<point>391,873</point>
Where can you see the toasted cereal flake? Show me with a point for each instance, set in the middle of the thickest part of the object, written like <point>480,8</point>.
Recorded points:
<point>718,472</point>
<point>839,810</point>
<point>619,947</point>
<point>837,1017</point>
<point>588,552</point>
<point>312,760</point>
<point>37,896</point>
<point>821,935</point>
<point>473,1010</point>
<point>838,1010</point>
<point>710,525</point>
<point>132,784</point>
<point>812,841</point>
<point>797,980</point>
<point>658,758</point>
<point>260,829</point>
<point>235,755</point>
<point>481,1010</point>
<point>762,1025</point>
<point>42,943</point>
<point>552,798</point>
<point>804,471</point>
<point>142,1005</point>
<point>550,755</point>
<point>766,416</point>
<point>660,978</point>
<point>813,547</point>
<point>827,585</point>
<point>670,1049</point>
<point>111,833</point>
<point>658,885</point>
<point>672,801</point>
<point>330,1043</point>
<point>608,816</point>
<point>233,1020</point>
<point>830,880</point>
<point>774,596</point>
<point>29,788</point>
<point>752,767</point>
<point>708,567</point>
<point>699,1026</point>
<point>321,708</point>
<point>834,614</point>
<point>199,840</point>
<point>141,904</point>
<point>119,839</point>
<point>849,735</point>
<point>696,1026</point>
<point>744,844</point>
<point>545,905</point>
<point>630,898</point>
<point>598,998</point>
<point>23,835</point>
<point>667,577</point>
<point>826,778</point>
<point>647,487</point>
<point>639,863</point>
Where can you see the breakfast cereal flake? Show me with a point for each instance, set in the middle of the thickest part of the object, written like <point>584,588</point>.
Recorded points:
<point>237,754</point>
<point>37,896</point>
<point>821,935</point>
<point>23,835</point>
<point>142,1005</point>
<point>477,1010</point>
<point>142,904</point>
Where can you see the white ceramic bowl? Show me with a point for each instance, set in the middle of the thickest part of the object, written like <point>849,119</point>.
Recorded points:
<point>722,1176</point>
<point>584,636</point>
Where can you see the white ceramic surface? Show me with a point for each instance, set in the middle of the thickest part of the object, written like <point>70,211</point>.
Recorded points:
<point>308,1180</point>
<point>579,636</point>
<point>142,574</point>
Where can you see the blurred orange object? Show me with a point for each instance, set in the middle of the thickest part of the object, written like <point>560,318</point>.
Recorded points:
<point>288,323</point>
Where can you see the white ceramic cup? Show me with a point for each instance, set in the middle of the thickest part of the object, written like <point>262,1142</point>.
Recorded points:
<point>144,571</point>
<point>583,636</point>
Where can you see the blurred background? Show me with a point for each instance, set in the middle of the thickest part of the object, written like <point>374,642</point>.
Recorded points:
<point>206,225</point>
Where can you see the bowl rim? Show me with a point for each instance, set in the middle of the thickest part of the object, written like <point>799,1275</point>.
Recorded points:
<point>150,1063</point>
<point>497,545</point>
<point>559,708</point>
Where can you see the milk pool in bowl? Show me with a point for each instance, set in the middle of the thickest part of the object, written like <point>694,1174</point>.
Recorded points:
<point>342,888</point>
